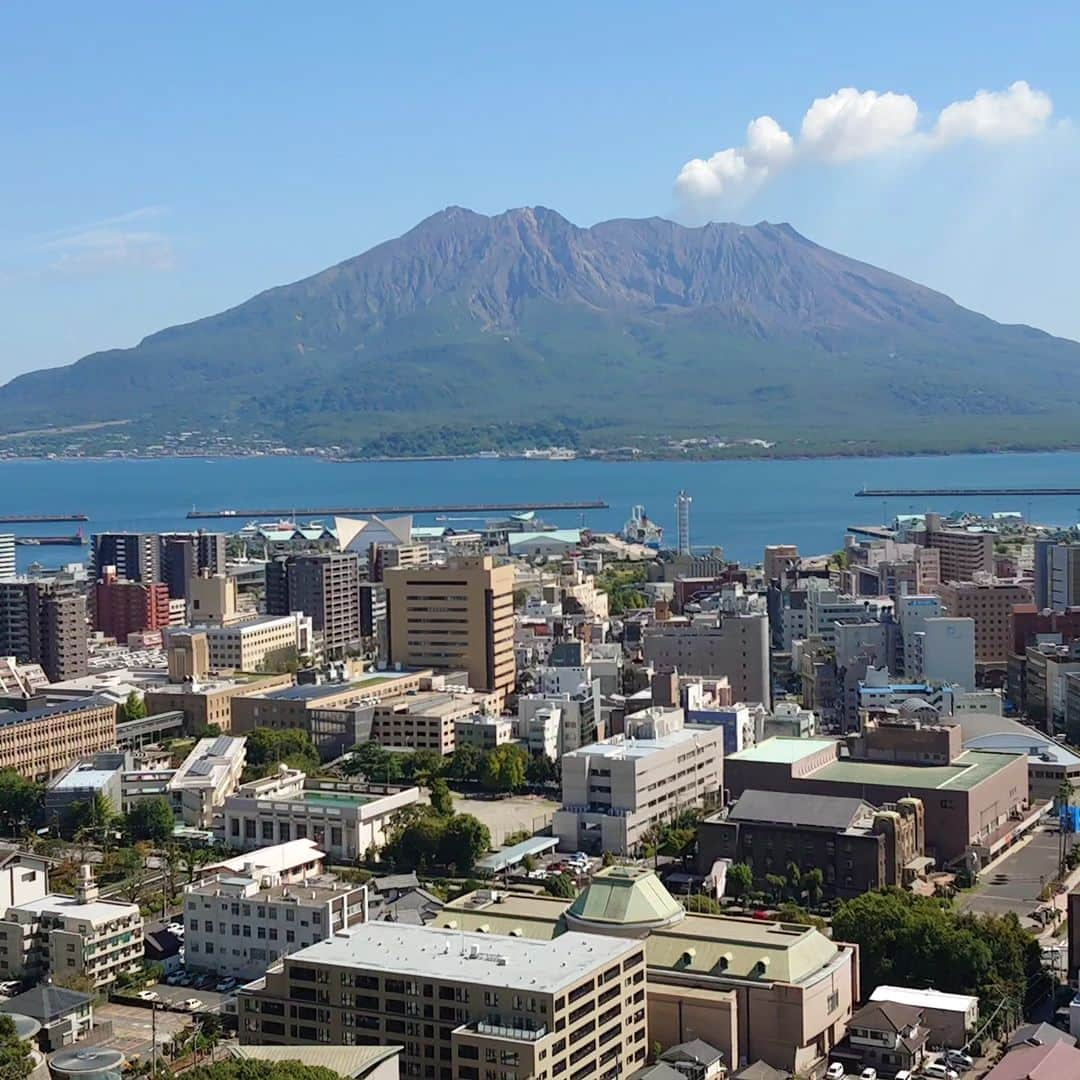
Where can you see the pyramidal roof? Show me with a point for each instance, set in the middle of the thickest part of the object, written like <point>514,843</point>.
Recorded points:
<point>627,897</point>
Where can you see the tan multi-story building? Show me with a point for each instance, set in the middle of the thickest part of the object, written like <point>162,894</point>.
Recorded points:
<point>964,553</point>
<point>71,935</point>
<point>465,1005</point>
<point>265,643</point>
<point>213,600</point>
<point>989,602</point>
<point>41,742</point>
<point>204,703</point>
<point>614,792</point>
<point>483,732</point>
<point>424,721</point>
<point>239,924</point>
<point>733,645</point>
<point>772,991</point>
<point>454,617</point>
<point>188,653</point>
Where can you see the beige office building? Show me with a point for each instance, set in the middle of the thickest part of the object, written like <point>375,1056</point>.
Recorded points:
<point>614,792</point>
<point>213,600</point>
<point>454,617</point>
<point>268,643</point>
<point>989,602</point>
<point>465,1006</point>
<point>42,742</point>
<point>204,703</point>
<point>424,721</point>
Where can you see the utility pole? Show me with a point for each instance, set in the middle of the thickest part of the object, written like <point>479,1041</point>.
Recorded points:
<point>153,1039</point>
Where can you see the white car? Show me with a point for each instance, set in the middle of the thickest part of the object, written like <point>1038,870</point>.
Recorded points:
<point>835,1071</point>
<point>148,995</point>
<point>191,1005</point>
<point>869,1073</point>
<point>957,1059</point>
<point>939,1071</point>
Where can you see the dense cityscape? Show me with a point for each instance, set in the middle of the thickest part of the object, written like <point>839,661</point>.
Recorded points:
<point>500,798</point>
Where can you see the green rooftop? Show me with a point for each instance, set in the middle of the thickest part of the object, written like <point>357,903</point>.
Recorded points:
<point>333,798</point>
<point>626,896</point>
<point>782,750</point>
<point>967,770</point>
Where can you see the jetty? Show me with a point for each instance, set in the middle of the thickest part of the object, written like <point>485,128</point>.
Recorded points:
<point>293,512</point>
<point>39,519</point>
<point>75,540</point>
<point>960,492</point>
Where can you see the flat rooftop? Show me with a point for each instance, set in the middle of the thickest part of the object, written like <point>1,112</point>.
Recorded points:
<point>782,750</point>
<point>94,911</point>
<point>435,953</point>
<point>83,779</point>
<point>78,705</point>
<point>966,771</point>
<point>639,748</point>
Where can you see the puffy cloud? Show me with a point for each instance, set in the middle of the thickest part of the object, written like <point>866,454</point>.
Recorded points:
<point>995,115</point>
<point>851,124</point>
<point>116,243</point>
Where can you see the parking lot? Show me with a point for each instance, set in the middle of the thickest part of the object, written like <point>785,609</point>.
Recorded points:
<point>135,1027</point>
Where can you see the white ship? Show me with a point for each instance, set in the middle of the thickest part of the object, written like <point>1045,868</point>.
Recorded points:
<point>640,530</point>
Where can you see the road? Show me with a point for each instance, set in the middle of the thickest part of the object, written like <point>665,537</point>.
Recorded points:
<point>1014,883</point>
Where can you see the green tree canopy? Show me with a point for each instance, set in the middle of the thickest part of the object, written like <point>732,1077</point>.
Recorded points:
<point>260,1070</point>
<point>266,748</point>
<point>504,768</point>
<point>442,801</point>
<point>15,1060</point>
<point>20,801</point>
<point>740,880</point>
<point>702,904</point>
<point>465,840</point>
<point>561,885</point>
<point>150,819</point>
<point>465,763</point>
<point>375,763</point>
<point>134,708</point>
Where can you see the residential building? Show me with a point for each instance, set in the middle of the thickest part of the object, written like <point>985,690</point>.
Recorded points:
<point>733,645</point>
<point>483,732</point>
<point>344,819</point>
<point>1062,587</point>
<point>43,621</point>
<point>264,643</point>
<point>943,653</point>
<point>129,607</point>
<point>826,606</point>
<point>426,720</point>
<point>19,682</point>
<point>614,792</point>
<point>238,924</point>
<point>964,552</point>
<point>323,585</point>
<point>136,556</point>
<point>72,935</point>
<point>857,847</point>
<point>1029,624</point>
<point>205,703</point>
<point>761,990</point>
<point>476,1003</point>
<point>206,777</point>
<point>65,1015</point>
<point>951,1019</point>
<point>1046,1062</point>
<point>976,801</point>
<point>1046,667</point>
<point>885,1036</point>
<point>292,862</point>
<point>454,617</point>
<point>575,720</point>
<point>990,602</point>
<point>7,555</point>
<point>41,742</point>
<point>787,718</point>
<point>188,555</point>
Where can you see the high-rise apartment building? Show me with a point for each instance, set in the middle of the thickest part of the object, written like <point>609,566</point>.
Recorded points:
<point>136,556</point>
<point>43,621</point>
<point>454,617</point>
<point>325,586</point>
<point>964,553</point>
<point>7,555</point>
<point>990,602</point>
<point>186,555</point>
<point>1063,586</point>
<point>129,607</point>
<point>465,1005</point>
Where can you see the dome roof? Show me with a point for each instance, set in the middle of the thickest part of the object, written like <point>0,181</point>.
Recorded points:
<point>624,900</point>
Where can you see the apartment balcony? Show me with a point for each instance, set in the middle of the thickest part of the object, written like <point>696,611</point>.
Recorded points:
<point>496,1030</point>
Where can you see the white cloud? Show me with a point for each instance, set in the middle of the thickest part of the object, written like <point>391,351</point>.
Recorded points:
<point>851,124</point>
<point>111,244</point>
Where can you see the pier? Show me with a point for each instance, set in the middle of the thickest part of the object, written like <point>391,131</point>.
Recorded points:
<point>961,493</point>
<point>39,519</point>
<point>291,513</point>
<point>75,540</point>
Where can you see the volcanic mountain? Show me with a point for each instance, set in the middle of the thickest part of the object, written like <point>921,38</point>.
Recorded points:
<point>471,331</point>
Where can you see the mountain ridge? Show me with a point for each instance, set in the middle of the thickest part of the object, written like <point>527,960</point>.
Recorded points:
<point>523,319</point>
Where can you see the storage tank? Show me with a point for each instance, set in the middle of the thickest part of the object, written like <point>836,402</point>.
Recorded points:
<point>26,1027</point>
<point>86,1063</point>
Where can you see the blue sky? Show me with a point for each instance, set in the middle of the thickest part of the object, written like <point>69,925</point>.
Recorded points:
<point>163,162</point>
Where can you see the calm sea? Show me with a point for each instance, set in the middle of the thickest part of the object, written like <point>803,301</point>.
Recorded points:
<point>740,505</point>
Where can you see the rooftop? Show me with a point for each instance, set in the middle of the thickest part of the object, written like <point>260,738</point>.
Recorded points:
<point>925,999</point>
<point>966,771</point>
<point>46,1002</point>
<point>782,750</point>
<point>208,761</point>
<point>82,778</point>
<point>67,907</point>
<point>280,858</point>
<point>348,1061</point>
<point>821,811</point>
<point>639,748</point>
<point>434,953</point>
<point>95,701</point>
<point>626,896</point>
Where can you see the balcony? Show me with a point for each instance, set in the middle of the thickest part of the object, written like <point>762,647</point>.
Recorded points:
<point>505,1031</point>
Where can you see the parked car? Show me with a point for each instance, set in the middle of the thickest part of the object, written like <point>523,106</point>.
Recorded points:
<point>957,1059</point>
<point>903,1074</point>
<point>10,988</point>
<point>226,984</point>
<point>940,1071</point>
<point>148,995</point>
<point>835,1071</point>
<point>203,981</point>
<point>191,1005</point>
<point>174,979</point>
<point>869,1073</point>
<point>176,929</point>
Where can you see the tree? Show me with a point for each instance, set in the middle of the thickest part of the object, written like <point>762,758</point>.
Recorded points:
<point>777,883</point>
<point>504,768</point>
<point>94,817</point>
<point>678,843</point>
<point>442,801</point>
<point>423,766</point>
<point>376,763</point>
<point>415,840</point>
<point>232,1069</point>
<point>561,885</point>
<point>150,819</point>
<point>266,748</point>
<point>541,769</point>
<point>740,880</point>
<point>465,763</point>
<point>20,801</point>
<point>814,884</point>
<point>794,880</point>
<point>702,904</point>
<point>464,840</point>
<point>134,708</point>
<point>15,1059</point>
